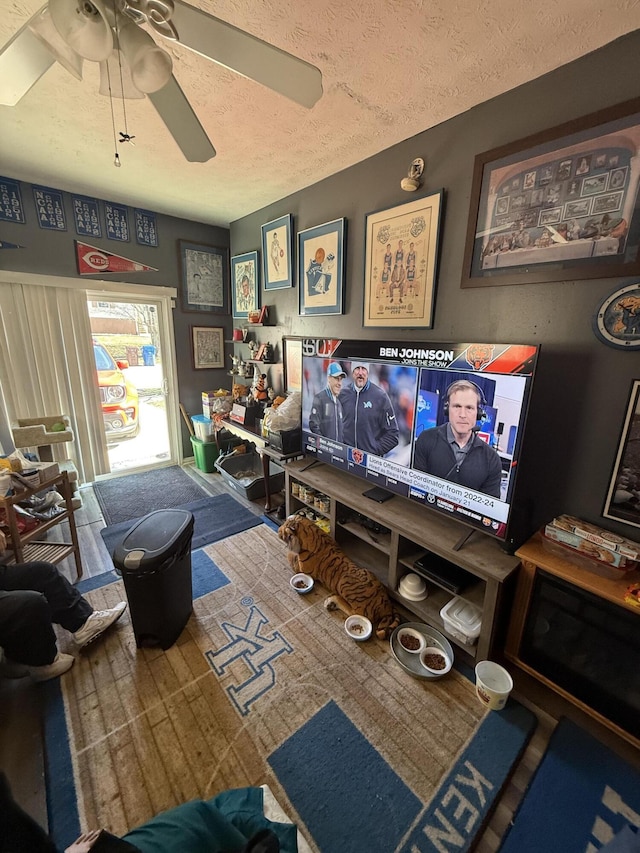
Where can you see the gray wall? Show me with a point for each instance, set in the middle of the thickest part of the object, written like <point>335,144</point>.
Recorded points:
<point>581,387</point>
<point>53,253</point>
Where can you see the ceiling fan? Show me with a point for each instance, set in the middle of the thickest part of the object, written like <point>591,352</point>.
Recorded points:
<point>110,32</point>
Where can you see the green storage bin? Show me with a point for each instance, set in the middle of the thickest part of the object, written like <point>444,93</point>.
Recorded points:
<point>205,453</point>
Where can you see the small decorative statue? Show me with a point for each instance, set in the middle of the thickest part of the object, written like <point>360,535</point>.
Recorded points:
<point>260,389</point>
<point>236,364</point>
<point>268,353</point>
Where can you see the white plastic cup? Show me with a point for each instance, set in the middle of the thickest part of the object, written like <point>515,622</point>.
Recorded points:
<point>493,685</point>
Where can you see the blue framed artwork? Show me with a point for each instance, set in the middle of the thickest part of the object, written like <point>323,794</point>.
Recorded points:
<point>146,225</point>
<point>11,208</point>
<point>245,284</point>
<point>277,253</point>
<point>321,264</point>
<point>117,219</point>
<point>86,216</point>
<point>49,209</point>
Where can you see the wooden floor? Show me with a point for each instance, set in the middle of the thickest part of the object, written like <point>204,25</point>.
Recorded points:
<point>20,724</point>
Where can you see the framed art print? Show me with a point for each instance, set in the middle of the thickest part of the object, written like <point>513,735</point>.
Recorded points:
<point>292,360</point>
<point>558,206</point>
<point>277,253</point>
<point>401,260</point>
<point>245,286</point>
<point>204,278</point>
<point>321,259</point>
<point>208,347</point>
<point>623,497</point>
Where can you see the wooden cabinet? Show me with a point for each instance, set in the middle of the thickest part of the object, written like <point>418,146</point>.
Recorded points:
<point>397,532</point>
<point>28,547</point>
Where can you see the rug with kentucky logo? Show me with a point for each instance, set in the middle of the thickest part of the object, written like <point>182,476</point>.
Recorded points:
<point>265,687</point>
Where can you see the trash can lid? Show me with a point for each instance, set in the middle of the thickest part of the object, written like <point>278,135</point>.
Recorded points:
<point>152,538</point>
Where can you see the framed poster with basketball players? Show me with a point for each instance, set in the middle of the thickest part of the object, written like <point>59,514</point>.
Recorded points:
<point>277,253</point>
<point>623,498</point>
<point>558,206</point>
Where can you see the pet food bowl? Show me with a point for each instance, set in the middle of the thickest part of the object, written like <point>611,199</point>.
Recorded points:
<point>435,660</point>
<point>301,583</point>
<point>413,587</point>
<point>358,627</point>
<point>412,641</point>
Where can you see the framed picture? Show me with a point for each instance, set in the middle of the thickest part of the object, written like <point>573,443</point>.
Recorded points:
<point>208,347</point>
<point>321,258</point>
<point>623,498</point>
<point>245,287</point>
<point>259,356</point>
<point>292,361</point>
<point>560,205</point>
<point>617,320</point>
<point>204,278</point>
<point>277,253</point>
<point>401,259</point>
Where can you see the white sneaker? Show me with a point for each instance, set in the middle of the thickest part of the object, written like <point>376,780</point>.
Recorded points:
<point>98,622</point>
<point>61,663</point>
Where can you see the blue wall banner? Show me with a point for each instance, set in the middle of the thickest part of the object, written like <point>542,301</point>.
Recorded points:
<point>146,227</point>
<point>117,218</point>
<point>49,209</point>
<point>86,215</point>
<point>11,209</point>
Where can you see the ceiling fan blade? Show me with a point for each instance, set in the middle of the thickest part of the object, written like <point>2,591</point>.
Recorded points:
<point>247,55</point>
<point>23,61</point>
<point>176,112</point>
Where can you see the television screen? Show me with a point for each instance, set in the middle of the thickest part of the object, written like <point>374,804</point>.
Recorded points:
<point>441,424</point>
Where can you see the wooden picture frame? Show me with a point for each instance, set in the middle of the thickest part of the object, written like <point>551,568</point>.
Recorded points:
<point>292,364</point>
<point>401,262</point>
<point>622,502</point>
<point>277,253</point>
<point>559,205</point>
<point>204,278</point>
<point>207,347</point>
<point>321,264</point>
<point>245,284</point>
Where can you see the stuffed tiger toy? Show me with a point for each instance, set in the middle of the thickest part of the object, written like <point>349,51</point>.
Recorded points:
<point>356,590</point>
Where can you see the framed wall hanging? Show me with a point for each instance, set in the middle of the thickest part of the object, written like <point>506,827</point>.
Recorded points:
<point>560,205</point>
<point>208,347</point>
<point>401,259</point>
<point>204,278</point>
<point>617,321</point>
<point>623,498</point>
<point>292,361</point>
<point>321,259</point>
<point>277,253</point>
<point>245,284</point>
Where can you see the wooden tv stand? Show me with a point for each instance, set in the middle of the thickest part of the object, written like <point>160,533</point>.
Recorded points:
<point>412,531</point>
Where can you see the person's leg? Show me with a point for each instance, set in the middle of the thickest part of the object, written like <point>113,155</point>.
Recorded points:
<point>26,633</point>
<point>67,607</point>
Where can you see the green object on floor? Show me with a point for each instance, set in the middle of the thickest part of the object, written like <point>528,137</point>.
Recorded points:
<point>205,453</point>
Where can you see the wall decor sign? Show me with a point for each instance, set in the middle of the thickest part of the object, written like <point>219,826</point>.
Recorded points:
<point>617,321</point>
<point>277,253</point>
<point>117,219</point>
<point>86,216</point>
<point>292,361</point>
<point>49,209</point>
<point>401,259</point>
<point>208,347</point>
<point>560,205</point>
<point>146,225</point>
<point>11,208</point>
<point>245,285</point>
<point>321,264</point>
<point>623,498</point>
<point>204,277</point>
<point>90,261</point>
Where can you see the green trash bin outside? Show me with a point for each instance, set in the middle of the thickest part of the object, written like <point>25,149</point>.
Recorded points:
<point>205,454</point>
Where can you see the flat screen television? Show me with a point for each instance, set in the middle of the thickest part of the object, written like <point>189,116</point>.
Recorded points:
<point>441,424</point>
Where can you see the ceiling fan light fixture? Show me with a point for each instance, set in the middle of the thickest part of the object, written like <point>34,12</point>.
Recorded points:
<point>45,31</point>
<point>115,78</point>
<point>150,65</point>
<point>84,26</point>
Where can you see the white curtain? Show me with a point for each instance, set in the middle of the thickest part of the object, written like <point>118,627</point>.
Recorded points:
<point>47,367</point>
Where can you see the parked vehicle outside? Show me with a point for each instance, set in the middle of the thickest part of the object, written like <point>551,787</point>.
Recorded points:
<point>119,396</point>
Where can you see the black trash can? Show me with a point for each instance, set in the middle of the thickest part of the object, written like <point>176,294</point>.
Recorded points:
<point>154,559</point>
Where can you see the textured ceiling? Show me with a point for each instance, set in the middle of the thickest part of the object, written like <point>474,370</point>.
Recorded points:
<point>391,69</point>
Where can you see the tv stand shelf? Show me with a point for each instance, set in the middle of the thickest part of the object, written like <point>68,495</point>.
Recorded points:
<point>413,530</point>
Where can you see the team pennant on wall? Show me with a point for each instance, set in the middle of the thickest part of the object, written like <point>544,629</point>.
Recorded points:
<point>92,260</point>
<point>5,245</point>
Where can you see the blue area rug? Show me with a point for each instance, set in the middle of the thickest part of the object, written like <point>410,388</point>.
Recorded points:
<point>339,784</point>
<point>581,796</point>
<point>215,518</point>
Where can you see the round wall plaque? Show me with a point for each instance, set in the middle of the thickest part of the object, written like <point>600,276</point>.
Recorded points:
<point>617,321</point>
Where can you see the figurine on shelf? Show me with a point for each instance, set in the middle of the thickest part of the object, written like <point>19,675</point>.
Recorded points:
<point>267,355</point>
<point>235,360</point>
<point>253,348</point>
<point>260,389</point>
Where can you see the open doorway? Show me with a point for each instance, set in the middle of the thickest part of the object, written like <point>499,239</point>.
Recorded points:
<point>129,351</point>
